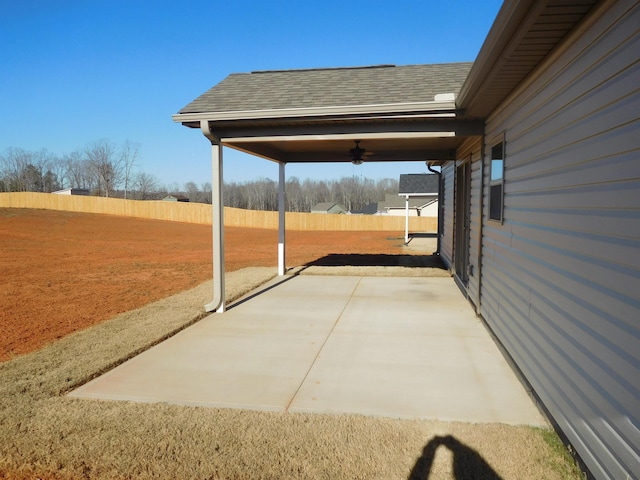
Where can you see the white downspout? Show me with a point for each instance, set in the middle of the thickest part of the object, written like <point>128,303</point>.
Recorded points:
<point>281,221</point>
<point>440,206</point>
<point>217,211</point>
<point>406,220</point>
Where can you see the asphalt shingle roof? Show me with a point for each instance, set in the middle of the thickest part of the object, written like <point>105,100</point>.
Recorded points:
<point>282,89</point>
<point>418,183</point>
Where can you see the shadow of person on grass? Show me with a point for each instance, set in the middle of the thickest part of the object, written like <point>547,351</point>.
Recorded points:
<point>467,463</point>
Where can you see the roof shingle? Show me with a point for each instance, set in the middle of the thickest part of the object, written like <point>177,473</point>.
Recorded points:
<point>313,88</point>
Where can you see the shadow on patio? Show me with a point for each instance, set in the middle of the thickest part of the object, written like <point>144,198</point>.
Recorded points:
<point>378,260</point>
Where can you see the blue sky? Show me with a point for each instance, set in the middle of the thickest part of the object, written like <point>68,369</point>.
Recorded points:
<point>77,71</point>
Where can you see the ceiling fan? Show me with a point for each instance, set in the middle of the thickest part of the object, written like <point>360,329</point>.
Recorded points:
<point>358,153</point>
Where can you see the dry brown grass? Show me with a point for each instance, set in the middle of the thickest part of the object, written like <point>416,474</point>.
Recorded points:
<point>46,435</point>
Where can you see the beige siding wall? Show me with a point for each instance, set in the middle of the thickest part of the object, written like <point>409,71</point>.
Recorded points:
<point>471,151</point>
<point>201,213</point>
<point>430,210</point>
<point>561,276</point>
<point>447,234</point>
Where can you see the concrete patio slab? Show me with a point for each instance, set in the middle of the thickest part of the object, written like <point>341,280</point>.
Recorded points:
<point>404,347</point>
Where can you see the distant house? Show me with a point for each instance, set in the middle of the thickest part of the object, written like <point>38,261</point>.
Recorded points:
<point>418,193</point>
<point>370,209</point>
<point>419,190</point>
<point>175,198</point>
<point>329,207</point>
<point>394,205</point>
<point>418,206</point>
<point>72,191</point>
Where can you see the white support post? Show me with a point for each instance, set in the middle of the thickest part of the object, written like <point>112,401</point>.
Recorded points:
<point>281,221</point>
<point>406,220</point>
<point>217,207</point>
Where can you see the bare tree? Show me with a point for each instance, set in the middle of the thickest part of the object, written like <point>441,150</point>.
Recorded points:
<point>105,166</point>
<point>58,170</point>
<point>13,165</point>
<point>294,198</point>
<point>384,186</point>
<point>263,195</point>
<point>128,161</point>
<point>191,191</point>
<point>173,188</point>
<point>233,195</point>
<point>77,171</point>
<point>26,171</point>
<point>206,191</point>
<point>42,178</point>
<point>146,186</point>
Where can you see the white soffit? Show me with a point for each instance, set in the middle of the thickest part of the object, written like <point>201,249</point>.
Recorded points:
<point>341,136</point>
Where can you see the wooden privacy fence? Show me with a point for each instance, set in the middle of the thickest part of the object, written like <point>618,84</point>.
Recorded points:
<point>201,213</point>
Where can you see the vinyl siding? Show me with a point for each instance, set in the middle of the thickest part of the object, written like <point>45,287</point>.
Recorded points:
<point>446,242</point>
<point>471,150</point>
<point>561,275</point>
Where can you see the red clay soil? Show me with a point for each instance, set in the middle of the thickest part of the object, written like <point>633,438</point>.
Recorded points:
<point>64,271</point>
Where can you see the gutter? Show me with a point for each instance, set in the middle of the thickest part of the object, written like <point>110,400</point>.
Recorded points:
<point>384,109</point>
<point>440,206</point>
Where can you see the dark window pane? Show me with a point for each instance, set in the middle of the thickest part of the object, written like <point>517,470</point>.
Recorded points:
<point>496,152</point>
<point>495,202</point>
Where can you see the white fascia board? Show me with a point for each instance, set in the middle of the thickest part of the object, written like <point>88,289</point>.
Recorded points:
<point>387,108</point>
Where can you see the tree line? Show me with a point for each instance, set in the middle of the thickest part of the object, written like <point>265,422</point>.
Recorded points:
<point>110,170</point>
<point>353,193</point>
<point>102,167</point>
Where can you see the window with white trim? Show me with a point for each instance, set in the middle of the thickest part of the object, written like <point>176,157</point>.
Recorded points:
<point>496,183</point>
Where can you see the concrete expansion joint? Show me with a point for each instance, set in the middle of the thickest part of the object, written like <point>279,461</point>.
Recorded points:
<point>315,359</point>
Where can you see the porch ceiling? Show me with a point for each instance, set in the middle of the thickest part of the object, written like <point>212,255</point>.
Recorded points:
<point>311,149</point>
<point>384,140</point>
<point>404,113</point>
